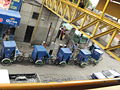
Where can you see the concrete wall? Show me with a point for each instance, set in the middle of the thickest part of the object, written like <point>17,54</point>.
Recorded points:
<point>47,17</point>
<point>26,19</point>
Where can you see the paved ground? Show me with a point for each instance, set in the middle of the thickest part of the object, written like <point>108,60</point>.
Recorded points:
<point>51,73</point>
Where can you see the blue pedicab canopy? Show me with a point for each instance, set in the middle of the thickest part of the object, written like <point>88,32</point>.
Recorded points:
<point>84,55</point>
<point>9,44</point>
<point>8,48</point>
<point>40,51</point>
<point>85,52</point>
<point>65,52</point>
<point>10,17</point>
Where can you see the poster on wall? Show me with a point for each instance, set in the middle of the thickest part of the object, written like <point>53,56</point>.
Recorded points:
<point>5,4</point>
<point>15,5</point>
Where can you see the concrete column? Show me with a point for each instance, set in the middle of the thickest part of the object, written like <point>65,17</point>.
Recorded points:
<point>57,28</point>
<point>56,23</point>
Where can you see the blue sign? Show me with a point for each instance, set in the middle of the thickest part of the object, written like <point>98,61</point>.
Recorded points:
<point>12,21</point>
<point>10,17</point>
<point>15,5</point>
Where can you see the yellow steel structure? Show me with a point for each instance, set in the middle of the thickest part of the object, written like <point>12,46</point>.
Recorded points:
<point>82,19</point>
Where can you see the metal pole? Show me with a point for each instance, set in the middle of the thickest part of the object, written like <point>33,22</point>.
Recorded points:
<point>111,39</point>
<point>105,8</point>
<point>54,30</point>
<point>38,21</point>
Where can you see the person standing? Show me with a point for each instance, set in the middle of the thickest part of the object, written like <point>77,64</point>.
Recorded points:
<point>59,32</point>
<point>81,4</point>
<point>61,35</point>
<point>62,32</point>
<point>74,47</point>
<point>81,36</point>
<point>44,44</point>
<point>60,46</point>
<point>52,46</point>
<point>7,35</point>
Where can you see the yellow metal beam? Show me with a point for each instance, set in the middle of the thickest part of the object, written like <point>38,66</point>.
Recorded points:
<point>103,33</point>
<point>72,17</point>
<point>78,18</point>
<point>112,48</point>
<point>87,4</point>
<point>69,15</point>
<point>78,2</point>
<point>111,39</point>
<point>96,42</point>
<point>88,25</point>
<point>103,26</point>
<point>65,10</point>
<point>113,55</point>
<point>111,23</point>
<point>106,20</point>
<point>74,14</point>
<point>95,29</point>
<point>57,14</point>
<point>58,7</point>
<point>105,8</point>
<point>83,22</point>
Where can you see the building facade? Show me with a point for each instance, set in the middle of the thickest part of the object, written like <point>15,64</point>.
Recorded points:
<point>29,18</point>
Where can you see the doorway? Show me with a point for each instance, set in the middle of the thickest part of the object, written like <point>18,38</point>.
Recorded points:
<point>28,33</point>
<point>12,31</point>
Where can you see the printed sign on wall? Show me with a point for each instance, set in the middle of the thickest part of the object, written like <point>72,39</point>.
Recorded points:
<point>12,21</point>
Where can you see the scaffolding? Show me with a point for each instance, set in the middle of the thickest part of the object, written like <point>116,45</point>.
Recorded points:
<point>82,19</point>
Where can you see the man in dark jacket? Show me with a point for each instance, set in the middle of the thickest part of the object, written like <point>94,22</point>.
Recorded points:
<point>81,4</point>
